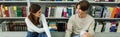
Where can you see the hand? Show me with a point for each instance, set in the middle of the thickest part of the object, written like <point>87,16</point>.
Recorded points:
<point>54,27</point>
<point>86,35</point>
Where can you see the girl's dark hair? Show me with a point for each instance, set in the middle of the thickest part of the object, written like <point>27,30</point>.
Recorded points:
<point>84,5</point>
<point>33,9</point>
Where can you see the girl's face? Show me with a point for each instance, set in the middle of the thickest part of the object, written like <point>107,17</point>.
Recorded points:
<point>38,13</point>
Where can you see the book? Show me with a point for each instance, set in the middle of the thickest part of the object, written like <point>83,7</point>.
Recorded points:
<point>117,15</point>
<point>14,26</point>
<point>98,11</point>
<point>65,12</point>
<point>113,12</point>
<point>52,24</point>
<point>92,9</point>
<point>76,0</point>
<point>19,11</point>
<point>105,12</point>
<point>5,26</point>
<point>46,11</point>
<point>113,27</point>
<point>69,0</point>
<point>70,11</point>
<point>0,28</point>
<point>24,11</point>
<point>49,10</point>
<point>61,26</point>
<point>1,11</point>
<point>13,11</point>
<point>3,14</point>
<point>58,12</point>
<point>98,27</point>
<point>58,0</point>
<point>118,27</point>
<point>91,0</point>
<point>105,0</point>
<point>107,27</point>
<point>7,14</point>
<point>52,12</point>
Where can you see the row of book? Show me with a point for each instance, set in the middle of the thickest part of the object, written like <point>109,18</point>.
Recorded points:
<point>13,11</point>
<point>105,12</point>
<point>81,0</point>
<point>13,26</point>
<point>96,11</point>
<point>21,26</point>
<point>59,11</point>
<point>107,26</point>
<point>112,26</point>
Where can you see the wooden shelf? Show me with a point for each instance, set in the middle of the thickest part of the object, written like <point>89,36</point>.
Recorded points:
<point>13,1</point>
<point>9,18</point>
<point>53,2</point>
<point>107,18</point>
<point>56,18</point>
<point>73,2</point>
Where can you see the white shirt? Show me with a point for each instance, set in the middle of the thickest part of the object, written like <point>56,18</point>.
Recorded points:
<point>32,28</point>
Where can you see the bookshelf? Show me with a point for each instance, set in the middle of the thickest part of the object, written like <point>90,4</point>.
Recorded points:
<point>12,18</point>
<point>73,3</point>
<point>17,8</point>
<point>53,3</point>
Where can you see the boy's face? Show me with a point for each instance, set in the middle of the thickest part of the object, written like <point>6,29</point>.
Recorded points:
<point>79,11</point>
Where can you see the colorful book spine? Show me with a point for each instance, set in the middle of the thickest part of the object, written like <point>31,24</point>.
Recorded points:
<point>24,11</point>
<point>19,11</point>
<point>69,11</point>
<point>6,11</point>
<point>65,14</point>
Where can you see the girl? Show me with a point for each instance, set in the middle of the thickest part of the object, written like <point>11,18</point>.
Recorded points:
<point>36,23</point>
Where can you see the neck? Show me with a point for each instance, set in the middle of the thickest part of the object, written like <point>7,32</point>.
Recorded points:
<point>83,15</point>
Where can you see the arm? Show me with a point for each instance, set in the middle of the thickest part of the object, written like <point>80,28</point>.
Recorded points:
<point>32,26</point>
<point>91,29</point>
<point>45,26</point>
<point>69,28</point>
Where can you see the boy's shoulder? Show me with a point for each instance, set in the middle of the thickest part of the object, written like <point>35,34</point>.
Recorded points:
<point>90,17</point>
<point>73,16</point>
